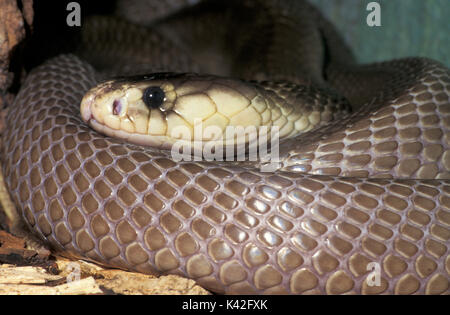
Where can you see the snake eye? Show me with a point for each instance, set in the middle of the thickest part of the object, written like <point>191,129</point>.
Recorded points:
<point>153,97</point>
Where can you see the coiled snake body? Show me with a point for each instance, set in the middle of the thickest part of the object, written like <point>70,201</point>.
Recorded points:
<point>360,205</point>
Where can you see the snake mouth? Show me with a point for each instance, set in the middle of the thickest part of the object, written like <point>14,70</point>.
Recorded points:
<point>159,142</point>
<point>86,107</point>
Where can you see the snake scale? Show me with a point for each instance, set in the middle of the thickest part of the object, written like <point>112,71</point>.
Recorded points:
<point>360,205</point>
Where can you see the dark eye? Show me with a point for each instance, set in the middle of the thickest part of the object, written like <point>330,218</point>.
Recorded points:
<point>153,97</point>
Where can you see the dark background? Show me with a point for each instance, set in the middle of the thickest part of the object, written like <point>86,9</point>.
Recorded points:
<point>409,27</point>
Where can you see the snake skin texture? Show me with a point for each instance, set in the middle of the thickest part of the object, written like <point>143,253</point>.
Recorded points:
<point>361,206</point>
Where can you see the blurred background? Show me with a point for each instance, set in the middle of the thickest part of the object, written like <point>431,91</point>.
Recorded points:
<point>408,28</point>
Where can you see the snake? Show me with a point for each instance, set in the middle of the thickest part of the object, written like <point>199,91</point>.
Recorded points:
<point>359,200</point>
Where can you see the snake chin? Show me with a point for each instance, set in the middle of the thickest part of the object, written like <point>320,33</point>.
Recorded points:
<point>160,142</point>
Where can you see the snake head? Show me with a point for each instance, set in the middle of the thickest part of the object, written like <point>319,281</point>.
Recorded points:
<point>124,108</point>
<point>165,108</point>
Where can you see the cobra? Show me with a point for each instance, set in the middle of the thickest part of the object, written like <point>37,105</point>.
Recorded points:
<point>365,193</point>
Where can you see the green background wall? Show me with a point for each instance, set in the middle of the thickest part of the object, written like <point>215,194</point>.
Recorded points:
<point>408,28</point>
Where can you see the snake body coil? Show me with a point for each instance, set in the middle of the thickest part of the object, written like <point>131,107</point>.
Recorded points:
<point>361,206</point>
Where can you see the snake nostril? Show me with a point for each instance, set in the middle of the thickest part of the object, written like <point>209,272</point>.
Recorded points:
<point>117,107</point>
